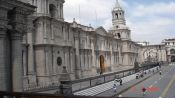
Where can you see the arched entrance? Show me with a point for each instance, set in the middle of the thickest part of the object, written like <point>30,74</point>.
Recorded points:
<point>102,64</point>
<point>172,52</point>
<point>172,58</point>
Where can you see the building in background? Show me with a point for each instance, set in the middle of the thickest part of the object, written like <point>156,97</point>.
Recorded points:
<point>170,48</point>
<point>144,43</point>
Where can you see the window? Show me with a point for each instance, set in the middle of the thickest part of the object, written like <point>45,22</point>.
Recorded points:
<point>52,10</point>
<point>116,15</point>
<point>119,36</point>
<point>59,61</point>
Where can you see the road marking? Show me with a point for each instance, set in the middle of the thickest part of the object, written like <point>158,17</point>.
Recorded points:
<point>168,87</point>
<point>160,97</point>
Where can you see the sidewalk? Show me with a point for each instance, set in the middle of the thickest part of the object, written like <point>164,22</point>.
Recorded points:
<point>125,86</point>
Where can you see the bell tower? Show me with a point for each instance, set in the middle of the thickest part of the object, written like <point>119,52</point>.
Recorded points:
<point>118,15</point>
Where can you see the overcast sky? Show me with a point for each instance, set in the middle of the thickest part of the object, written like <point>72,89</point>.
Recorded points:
<point>149,20</point>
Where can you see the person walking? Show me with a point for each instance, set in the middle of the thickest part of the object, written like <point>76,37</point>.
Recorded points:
<point>160,72</point>
<point>115,88</point>
<point>144,91</point>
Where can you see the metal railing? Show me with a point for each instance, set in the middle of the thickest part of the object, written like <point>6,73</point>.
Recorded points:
<point>81,84</point>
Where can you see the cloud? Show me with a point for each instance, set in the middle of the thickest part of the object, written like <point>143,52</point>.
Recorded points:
<point>153,22</point>
<point>94,12</point>
<point>87,10</point>
<point>156,9</point>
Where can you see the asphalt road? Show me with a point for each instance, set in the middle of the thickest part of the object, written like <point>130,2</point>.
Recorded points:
<point>158,86</point>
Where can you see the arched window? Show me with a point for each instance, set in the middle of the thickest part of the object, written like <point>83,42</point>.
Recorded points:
<point>172,51</point>
<point>52,10</point>
<point>116,15</point>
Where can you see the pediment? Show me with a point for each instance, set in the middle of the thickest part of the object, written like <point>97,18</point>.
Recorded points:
<point>101,31</point>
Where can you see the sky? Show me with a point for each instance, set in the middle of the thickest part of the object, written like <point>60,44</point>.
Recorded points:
<point>149,20</point>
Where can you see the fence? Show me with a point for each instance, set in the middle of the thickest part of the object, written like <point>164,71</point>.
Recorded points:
<point>81,84</point>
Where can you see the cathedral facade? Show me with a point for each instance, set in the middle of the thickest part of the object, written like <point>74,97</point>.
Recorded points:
<point>51,43</point>
<point>85,51</point>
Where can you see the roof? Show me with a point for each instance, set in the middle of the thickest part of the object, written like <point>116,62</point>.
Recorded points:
<point>101,31</point>
<point>117,6</point>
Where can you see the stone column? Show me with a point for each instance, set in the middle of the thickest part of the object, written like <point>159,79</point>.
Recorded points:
<point>31,69</point>
<point>4,65</point>
<point>62,11</point>
<point>16,61</point>
<point>120,52</point>
<point>77,58</point>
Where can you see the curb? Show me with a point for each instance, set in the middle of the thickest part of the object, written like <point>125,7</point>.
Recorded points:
<point>116,95</point>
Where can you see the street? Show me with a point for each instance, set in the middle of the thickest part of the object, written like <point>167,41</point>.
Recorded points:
<point>158,86</point>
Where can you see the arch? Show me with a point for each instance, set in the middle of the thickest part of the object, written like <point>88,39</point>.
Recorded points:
<point>116,14</point>
<point>52,10</point>
<point>102,64</point>
<point>150,55</point>
<point>172,58</point>
<point>172,51</point>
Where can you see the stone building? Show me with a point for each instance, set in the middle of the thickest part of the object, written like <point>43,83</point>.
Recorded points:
<point>170,49</point>
<point>51,43</point>
<point>13,25</point>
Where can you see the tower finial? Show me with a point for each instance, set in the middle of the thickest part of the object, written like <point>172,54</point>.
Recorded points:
<point>117,4</point>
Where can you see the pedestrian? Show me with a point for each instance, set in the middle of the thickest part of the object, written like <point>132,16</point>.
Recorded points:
<point>160,72</point>
<point>144,91</point>
<point>115,88</point>
<point>120,81</point>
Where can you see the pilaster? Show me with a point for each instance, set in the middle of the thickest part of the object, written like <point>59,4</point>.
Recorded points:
<point>4,63</point>
<point>31,70</point>
<point>16,60</point>
<point>77,58</point>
